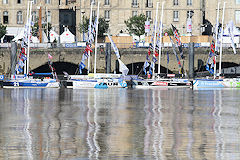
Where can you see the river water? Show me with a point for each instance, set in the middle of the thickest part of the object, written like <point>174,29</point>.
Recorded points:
<point>119,124</point>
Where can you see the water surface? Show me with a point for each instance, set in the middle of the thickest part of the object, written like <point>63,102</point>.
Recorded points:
<point>119,124</point>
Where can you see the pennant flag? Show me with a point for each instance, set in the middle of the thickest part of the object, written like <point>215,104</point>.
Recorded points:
<point>88,48</point>
<point>154,59</point>
<point>20,63</point>
<point>149,52</point>
<point>156,54</point>
<point>151,68</point>
<point>81,66</point>
<point>174,51</point>
<point>24,58</point>
<point>167,58</point>
<point>147,57</point>
<point>114,47</point>
<point>49,56</point>
<point>123,68</point>
<point>177,38</point>
<point>146,64</point>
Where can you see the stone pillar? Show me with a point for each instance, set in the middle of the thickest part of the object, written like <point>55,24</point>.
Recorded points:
<point>13,57</point>
<point>108,57</point>
<point>191,60</point>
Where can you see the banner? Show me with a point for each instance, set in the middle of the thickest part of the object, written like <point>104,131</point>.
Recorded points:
<point>147,26</point>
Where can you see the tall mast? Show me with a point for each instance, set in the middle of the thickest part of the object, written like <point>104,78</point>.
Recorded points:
<point>95,62</point>
<point>216,42</point>
<point>89,34</point>
<point>29,25</point>
<point>160,43</point>
<point>220,58</point>
<point>25,63</point>
<point>154,42</point>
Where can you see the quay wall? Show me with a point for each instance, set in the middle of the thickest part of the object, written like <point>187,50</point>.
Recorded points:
<point>39,57</point>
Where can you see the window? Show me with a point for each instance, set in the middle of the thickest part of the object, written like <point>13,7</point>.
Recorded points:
<point>19,1</point>
<point>34,16</point>
<point>149,4</point>
<point>49,19</point>
<point>34,1</point>
<point>19,17</point>
<point>175,16</point>
<point>175,2</point>
<point>107,15</point>
<point>106,2</point>
<point>149,15</point>
<point>189,2</point>
<point>5,17</point>
<point>237,1</point>
<point>134,3</point>
<point>5,1</point>
<point>134,13</point>
<point>237,16</point>
<point>92,1</point>
<point>47,1</point>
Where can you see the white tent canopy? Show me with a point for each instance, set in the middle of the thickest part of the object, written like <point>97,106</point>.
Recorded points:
<point>53,36</point>
<point>67,36</point>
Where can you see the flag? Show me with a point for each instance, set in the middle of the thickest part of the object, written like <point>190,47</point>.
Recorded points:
<point>156,53</point>
<point>167,58</point>
<point>230,27</point>
<point>149,52</point>
<point>81,66</point>
<point>151,68</point>
<point>154,59</point>
<point>123,68</point>
<point>177,38</point>
<point>20,63</point>
<point>49,56</point>
<point>88,48</point>
<point>174,51</point>
<point>146,64</point>
<point>114,47</point>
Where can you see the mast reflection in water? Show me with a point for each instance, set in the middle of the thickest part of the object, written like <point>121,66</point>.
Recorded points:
<point>119,124</point>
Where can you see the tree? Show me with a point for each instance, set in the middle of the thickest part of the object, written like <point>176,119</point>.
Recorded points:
<point>102,26</point>
<point>3,30</point>
<point>169,31</point>
<point>35,28</point>
<point>136,24</point>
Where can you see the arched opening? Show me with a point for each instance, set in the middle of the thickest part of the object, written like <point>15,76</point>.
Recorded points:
<point>137,69</point>
<point>60,67</point>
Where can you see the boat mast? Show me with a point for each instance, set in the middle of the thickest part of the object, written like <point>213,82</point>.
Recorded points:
<point>154,42</point>
<point>216,41</point>
<point>89,35</point>
<point>25,63</point>
<point>160,43</point>
<point>220,61</point>
<point>96,36</point>
<point>29,25</point>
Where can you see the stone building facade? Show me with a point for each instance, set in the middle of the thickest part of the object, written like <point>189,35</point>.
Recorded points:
<point>70,13</point>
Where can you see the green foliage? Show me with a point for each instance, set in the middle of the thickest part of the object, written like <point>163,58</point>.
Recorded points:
<point>169,31</point>
<point>136,24</point>
<point>3,30</point>
<point>103,26</point>
<point>35,28</point>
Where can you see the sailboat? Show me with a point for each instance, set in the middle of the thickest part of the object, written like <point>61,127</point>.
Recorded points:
<point>27,80</point>
<point>218,82</point>
<point>95,80</point>
<point>157,81</point>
